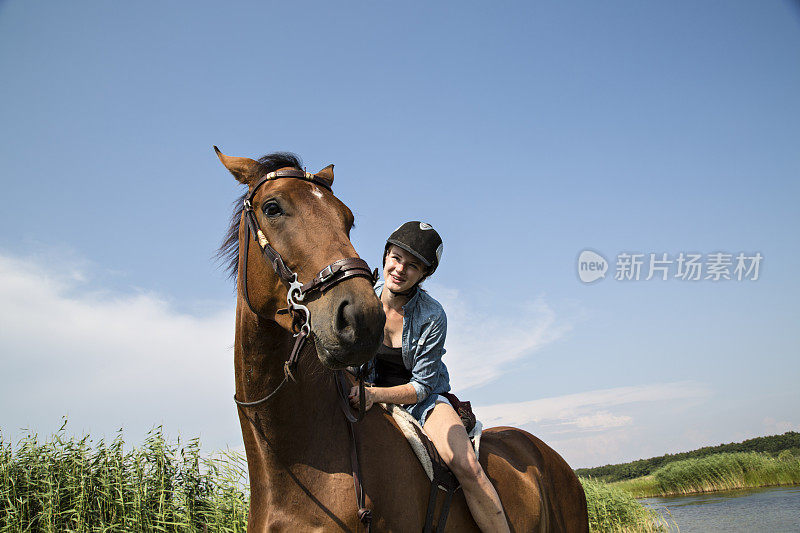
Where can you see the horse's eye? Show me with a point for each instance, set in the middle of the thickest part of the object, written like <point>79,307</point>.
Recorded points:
<point>272,209</point>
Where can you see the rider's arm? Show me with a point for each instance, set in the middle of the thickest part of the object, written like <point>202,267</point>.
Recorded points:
<point>399,394</point>
<point>427,362</point>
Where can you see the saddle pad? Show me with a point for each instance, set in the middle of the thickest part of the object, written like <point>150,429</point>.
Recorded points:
<point>422,445</point>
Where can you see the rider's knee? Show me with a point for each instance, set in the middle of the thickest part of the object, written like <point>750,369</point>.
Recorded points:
<point>466,468</point>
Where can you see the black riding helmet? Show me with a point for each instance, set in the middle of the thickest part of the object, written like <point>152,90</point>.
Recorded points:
<point>420,240</point>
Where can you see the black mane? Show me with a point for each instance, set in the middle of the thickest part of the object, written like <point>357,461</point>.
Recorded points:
<point>228,252</point>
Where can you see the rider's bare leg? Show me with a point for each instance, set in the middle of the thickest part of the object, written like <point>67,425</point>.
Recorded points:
<point>448,434</point>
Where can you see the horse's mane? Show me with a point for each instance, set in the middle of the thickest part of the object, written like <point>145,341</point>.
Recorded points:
<point>228,252</point>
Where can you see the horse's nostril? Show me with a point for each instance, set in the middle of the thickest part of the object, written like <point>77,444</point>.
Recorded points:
<point>346,321</point>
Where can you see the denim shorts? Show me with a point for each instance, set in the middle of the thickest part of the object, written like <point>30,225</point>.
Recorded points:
<point>421,410</point>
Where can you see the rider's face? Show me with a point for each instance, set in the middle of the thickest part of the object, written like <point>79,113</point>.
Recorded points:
<point>402,270</point>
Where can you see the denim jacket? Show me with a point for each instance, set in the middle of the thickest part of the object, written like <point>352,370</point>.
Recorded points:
<point>424,331</point>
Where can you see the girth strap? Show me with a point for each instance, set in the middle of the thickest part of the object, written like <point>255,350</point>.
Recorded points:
<point>431,507</point>
<point>443,513</point>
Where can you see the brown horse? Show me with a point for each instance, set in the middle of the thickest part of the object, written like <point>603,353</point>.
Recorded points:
<point>297,443</point>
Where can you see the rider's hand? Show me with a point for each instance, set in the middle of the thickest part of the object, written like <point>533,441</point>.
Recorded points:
<point>368,397</point>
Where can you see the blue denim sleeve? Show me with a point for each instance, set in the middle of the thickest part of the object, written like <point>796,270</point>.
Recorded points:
<point>425,372</point>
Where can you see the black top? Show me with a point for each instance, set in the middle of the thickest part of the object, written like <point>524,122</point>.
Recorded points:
<point>389,367</point>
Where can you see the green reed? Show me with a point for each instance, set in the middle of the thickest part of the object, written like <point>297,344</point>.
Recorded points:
<point>71,484</point>
<point>723,471</point>
<point>614,510</point>
<point>76,484</point>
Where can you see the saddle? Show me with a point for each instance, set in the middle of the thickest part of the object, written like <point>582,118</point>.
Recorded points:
<point>464,411</point>
<point>438,472</point>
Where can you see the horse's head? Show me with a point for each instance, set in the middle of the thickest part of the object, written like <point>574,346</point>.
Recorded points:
<point>309,227</point>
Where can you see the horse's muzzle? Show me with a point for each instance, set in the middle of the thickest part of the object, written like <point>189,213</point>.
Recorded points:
<point>348,326</point>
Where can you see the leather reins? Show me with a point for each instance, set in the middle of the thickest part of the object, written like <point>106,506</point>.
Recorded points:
<point>329,276</point>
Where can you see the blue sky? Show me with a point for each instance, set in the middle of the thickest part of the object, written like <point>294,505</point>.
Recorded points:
<point>525,134</point>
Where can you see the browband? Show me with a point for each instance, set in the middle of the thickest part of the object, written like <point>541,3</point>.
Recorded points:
<point>291,173</point>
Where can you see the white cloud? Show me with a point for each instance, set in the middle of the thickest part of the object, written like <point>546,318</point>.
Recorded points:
<point>587,410</point>
<point>596,427</point>
<point>482,346</point>
<point>779,426</point>
<point>602,419</point>
<point>109,360</point>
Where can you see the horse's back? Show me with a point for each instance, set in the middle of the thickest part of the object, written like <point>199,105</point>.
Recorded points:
<point>539,490</point>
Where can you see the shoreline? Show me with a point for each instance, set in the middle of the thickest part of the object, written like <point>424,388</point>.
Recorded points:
<point>710,491</point>
<point>715,473</point>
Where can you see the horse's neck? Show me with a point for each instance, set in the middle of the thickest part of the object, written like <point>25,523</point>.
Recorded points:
<point>302,421</point>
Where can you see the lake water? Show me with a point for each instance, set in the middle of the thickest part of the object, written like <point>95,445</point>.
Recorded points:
<point>775,509</point>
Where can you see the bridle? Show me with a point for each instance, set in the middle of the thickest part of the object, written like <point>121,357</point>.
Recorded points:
<point>297,292</point>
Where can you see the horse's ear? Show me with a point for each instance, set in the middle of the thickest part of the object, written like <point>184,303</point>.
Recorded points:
<point>326,174</point>
<point>244,169</point>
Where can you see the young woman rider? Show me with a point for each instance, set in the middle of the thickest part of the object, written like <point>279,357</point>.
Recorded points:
<point>408,368</point>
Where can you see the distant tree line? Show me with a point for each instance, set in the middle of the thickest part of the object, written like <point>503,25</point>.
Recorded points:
<point>772,445</point>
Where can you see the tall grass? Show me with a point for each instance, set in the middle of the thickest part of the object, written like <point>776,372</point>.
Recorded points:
<point>67,484</point>
<point>74,484</point>
<point>723,471</point>
<point>614,510</point>
<point>789,442</point>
